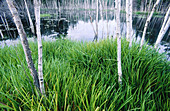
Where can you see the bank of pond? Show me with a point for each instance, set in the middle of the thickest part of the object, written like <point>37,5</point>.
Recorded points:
<point>82,76</point>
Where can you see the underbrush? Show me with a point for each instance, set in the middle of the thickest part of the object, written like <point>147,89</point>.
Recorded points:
<point>83,77</point>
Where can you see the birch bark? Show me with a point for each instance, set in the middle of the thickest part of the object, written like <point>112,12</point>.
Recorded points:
<point>24,41</point>
<point>101,13</point>
<point>29,17</point>
<point>40,64</point>
<point>97,17</point>
<point>127,20</point>
<point>147,22</point>
<point>117,8</point>
<point>107,22</point>
<point>164,28</point>
<point>130,17</point>
<point>1,34</point>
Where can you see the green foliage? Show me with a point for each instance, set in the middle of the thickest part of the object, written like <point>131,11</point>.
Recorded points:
<point>83,76</point>
<point>146,13</point>
<point>45,15</point>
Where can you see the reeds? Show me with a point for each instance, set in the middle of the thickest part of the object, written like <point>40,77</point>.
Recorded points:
<point>83,76</point>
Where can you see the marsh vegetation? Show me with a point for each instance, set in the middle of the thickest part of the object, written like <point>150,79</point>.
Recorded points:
<point>84,55</point>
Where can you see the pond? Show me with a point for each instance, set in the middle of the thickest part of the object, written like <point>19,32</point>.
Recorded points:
<point>76,25</point>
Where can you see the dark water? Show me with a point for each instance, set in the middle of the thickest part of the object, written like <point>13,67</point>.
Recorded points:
<point>76,25</point>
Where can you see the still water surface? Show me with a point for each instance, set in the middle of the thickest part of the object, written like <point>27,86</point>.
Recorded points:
<point>76,25</point>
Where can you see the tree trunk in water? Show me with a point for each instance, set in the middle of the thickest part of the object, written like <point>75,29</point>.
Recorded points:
<point>117,8</point>
<point>29,17</point>
<point>1,34</point>
<point>130,17</point>
<point>129,21</point>
<point>149,8</point>
<point>24,41</point>
<point>164,28</point>
<point>37,4</point>
<point>101,13</point>
<point>147,22</point>
<point>107,21</point>
<point>97,17</point>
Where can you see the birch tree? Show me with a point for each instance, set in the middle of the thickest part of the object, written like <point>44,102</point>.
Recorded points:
<point>117,8</point>
<point>128,32</point>
<point>37,4</point>
<point>147,22</point>
<point>1,34</point>
<point>101,13</point>
<point>107,21</point>
<point>130,17</point>
<point>97,17</point>
<point>24,41</point>
<point>164,28</point>
<point>29,18</point>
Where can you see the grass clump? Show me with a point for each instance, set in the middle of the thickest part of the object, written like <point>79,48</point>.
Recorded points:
<point>83,77</point>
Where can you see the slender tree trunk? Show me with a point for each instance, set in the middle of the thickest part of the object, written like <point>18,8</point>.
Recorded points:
<point>128,32</point>
<point>130,17</point>
<point>92,25</point>
<point>37,4</point>
<point>1,34</point>
<point>24,41</point>
<point>29,17</point>
<point>97,17</point>
<point>101,13</point>
<point>117,8</point>
<point>150,1</point>
<point>147,22</point>
<point>164,28</point>
<point>107,22</point>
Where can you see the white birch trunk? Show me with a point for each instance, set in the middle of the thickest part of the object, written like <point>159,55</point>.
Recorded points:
<point>101,13</point>
<point>97,17</point>
<point>127,21</point>
<point>29,17</point>
<point>24,41</point>
<point>107,22</point>
<point>147,22</point>
<point>130,16</point>
<point>92,25</point>
<point>150,1</point>
<point>1,34</point>
<point>164,28</point>
<point>37,4</point>
<point>117,8</point>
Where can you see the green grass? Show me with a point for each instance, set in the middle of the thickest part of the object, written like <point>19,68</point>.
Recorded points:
<point>157,14</point>
<point>45,15</point>
<point>83,77</point>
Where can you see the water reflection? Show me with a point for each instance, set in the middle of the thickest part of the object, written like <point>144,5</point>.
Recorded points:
<point>76,25</point>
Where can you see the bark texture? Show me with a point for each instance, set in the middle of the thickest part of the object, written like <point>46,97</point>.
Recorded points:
<point>24,41</point>
<point>117,8</point>
<point>29,17</point>
<point>130,17</point>
<point>37,4</point>
<point>147,22</point>
<point>97,17</point>
<point>164,28</point>
<point>1,34</point>
<point>127,21</point>
<point>101,13</point>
